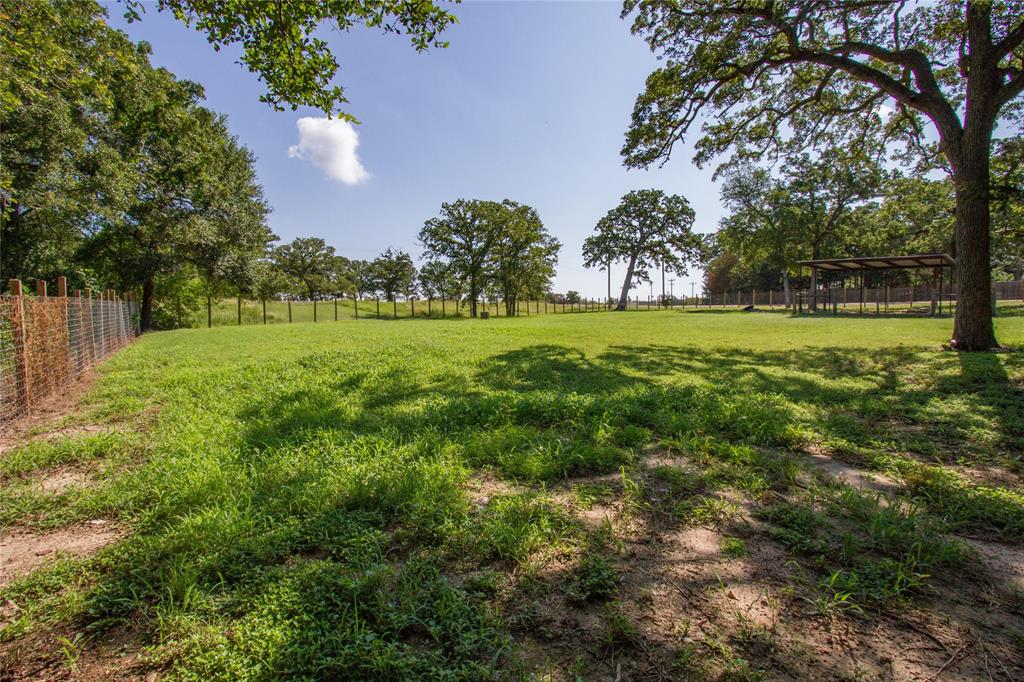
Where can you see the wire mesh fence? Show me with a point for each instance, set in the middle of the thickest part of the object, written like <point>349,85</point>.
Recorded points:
<point>47,341</point>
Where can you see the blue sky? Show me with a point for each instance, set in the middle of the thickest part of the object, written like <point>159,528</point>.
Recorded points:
<point>530,102</point>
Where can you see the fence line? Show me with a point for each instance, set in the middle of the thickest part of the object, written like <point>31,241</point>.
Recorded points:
<point>917,298</point>
<point>47,341</point>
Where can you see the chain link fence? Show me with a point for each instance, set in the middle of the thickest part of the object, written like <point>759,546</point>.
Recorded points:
<point>48,341</point>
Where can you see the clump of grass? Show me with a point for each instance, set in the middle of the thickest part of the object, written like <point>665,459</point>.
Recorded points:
<point>619,627</point>
<point>707,510</point>
<point>593,579</point>
<point>734,548</point>
<point>586,495</point>
<point>512,527</point>
<point>387,622</point>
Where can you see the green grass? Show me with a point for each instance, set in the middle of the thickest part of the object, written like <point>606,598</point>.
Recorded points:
<point>297,502</point>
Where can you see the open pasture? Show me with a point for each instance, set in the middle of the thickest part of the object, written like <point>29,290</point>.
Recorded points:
<point>650,495</point>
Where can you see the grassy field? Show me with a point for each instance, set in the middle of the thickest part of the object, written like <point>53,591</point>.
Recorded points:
<point>648,495</point>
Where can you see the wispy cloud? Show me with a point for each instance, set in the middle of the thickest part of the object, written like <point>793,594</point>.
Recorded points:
<point>330,145</point>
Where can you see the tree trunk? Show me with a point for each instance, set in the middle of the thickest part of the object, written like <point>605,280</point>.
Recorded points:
<point>624,294</point>
<point>972,327</point>
<point>785,286</point>
<point>146,312</point>
<point>474,294</point>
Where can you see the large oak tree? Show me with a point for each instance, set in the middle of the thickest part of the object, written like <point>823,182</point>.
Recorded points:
<point>647,228</point>
<point>766,73</point>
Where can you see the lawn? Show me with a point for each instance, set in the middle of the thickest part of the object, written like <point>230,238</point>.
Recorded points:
<point>643,495</point>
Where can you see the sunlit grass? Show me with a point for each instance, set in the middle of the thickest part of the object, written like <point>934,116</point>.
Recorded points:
<point>302,487</point>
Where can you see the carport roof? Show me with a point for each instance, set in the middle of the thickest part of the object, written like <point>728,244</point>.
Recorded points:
<point>920,260</point>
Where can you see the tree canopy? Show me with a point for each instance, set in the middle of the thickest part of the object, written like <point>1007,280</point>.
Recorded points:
<point>487,244</point>
<point>646,229</point>
<point>774,75</point>
<point>279,42</point>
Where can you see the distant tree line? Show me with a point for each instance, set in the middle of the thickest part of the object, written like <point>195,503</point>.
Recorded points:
<point>114,174</point>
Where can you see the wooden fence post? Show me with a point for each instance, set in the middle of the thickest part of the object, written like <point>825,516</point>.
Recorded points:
<point>412,304</point>
<point>239,310</point>
<point>264,301</point>
<point>355,305</point>
<point>335,308</point>
<point>314,308</point>
<point>289,308</point>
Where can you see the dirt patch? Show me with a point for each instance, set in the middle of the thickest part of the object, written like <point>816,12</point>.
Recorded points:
<point>117,654</point>
<point>850,474</point>
<point>482,488</point>
<point>45,412</point>
<point>23,551</point>
<point>1005,563</point>
<point>728,602</point>
<point>56,482</point>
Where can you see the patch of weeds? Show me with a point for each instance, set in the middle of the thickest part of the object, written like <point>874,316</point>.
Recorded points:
<point>832,597</point>
<point>991,510</point>
<point>40,454</point>
<point>594,579</point>
<point>734,666</point>
<point>71,650</point>
<point>619,628</point>
<point>707,511</point>
<point>796,526</point>
<point>485,584</point>
<point>512,527</point>
<point>682,483</point>
<point>406,623</point>
<point>734,548</point>
<point>633,497</point>
<point>631,436</point>
<point>688,665</point>
<point>532,454</point>
<point>586,495</point>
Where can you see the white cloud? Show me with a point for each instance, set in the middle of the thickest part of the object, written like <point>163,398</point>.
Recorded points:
<point>885,111</point>
<point>330,145</point>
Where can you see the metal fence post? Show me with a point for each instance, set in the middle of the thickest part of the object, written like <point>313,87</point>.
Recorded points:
<point>20,348</point>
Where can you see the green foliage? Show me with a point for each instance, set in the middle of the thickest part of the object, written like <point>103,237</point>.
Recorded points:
<point>646,229</point>
<point>393,274</point>
<point>309,260</point>
<point>513,527</point>
<point>764,79</point>
<point>594,579</point>
<point>279,41</point>
<point>486,247</point>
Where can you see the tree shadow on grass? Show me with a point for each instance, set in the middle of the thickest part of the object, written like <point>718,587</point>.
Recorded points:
<point>361,470</point>
<point>871,386</point>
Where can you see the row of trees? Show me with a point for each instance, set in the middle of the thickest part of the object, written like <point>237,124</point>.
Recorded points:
<point>112,172</point>
<point>848,203</point>
<point>474,250</point>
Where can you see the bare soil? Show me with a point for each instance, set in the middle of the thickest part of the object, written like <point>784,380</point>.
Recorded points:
<point>702,614</point>
<point>23,551</point>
